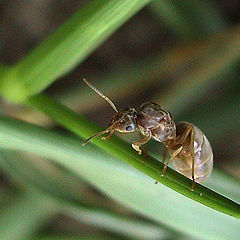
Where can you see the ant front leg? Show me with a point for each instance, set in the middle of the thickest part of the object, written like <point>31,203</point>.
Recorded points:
<point>144,147</point>
<point>136,145</point>
<point>109,135</point>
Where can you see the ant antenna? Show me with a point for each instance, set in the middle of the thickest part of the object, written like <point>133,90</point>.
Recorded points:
<point>100,94</point>
<point>95,135</point>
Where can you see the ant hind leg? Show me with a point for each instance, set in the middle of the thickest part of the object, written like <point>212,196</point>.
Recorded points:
<point>165,152</point>
<point>189,131</point>
<point>193,159</point>
<point>173,155</point>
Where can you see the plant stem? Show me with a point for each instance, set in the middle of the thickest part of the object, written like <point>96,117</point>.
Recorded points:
<point>150,166</point>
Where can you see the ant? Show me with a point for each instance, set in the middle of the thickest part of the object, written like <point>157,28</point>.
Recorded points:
<point>188,147</point>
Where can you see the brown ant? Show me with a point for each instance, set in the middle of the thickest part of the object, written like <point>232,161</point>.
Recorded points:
<point>188,147</point>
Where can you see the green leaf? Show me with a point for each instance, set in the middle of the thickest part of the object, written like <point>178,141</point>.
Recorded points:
<point>131,76</point>
<point>223,52</point>
<point>81,237</point>
<point>127,227</point>
<point>127,185</point>
<point>10,86</point>
<point>24,214</point>
<point>190,19</point>
<point>68,45</point>
<point>25,172</point>
<point>39,174</point>
<point>123,151</point>
<point>218,117</point>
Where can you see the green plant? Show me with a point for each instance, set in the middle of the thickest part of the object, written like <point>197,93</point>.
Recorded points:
<point>68,46</point>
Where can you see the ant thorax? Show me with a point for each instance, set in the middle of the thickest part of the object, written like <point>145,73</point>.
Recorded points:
<point>154,120</point>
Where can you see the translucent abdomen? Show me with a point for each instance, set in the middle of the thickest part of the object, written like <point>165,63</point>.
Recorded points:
<point>203,156</point>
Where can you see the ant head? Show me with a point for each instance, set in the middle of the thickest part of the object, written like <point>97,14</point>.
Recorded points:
<point>124,121</point>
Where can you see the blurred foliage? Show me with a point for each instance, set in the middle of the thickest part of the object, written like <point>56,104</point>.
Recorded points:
<point>181,54</point>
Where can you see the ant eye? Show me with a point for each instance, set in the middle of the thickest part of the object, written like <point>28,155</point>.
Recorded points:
<point>129,128</point>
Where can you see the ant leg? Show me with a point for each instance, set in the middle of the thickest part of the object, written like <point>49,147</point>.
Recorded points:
<point>193,159</point>
<point>144,147</point>
<point>165,151</point>
<point>185,134</point>
<point>109,135</point>
<point>181,140</point>
<point>138,144</point>
<point>171,159</point>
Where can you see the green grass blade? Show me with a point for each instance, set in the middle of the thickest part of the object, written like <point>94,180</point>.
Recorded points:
<point>70,44</point>
<point>78,237</point>
<point>217,118</point>
<point>225,183</point>
<point>222,54</point>
<point>21,171</point>
<point>123,183</point>
<point>38,174</point>
<point>135,228</point>
<point>123,151</point>
<point>190,19</point>
<point>23,215</point>
<point>3,68</point>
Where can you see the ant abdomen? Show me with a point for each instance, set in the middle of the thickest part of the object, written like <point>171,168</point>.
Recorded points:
<point>203,155</point>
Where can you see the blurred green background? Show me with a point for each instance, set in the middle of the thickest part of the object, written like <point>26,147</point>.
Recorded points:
<point>183,55</point>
